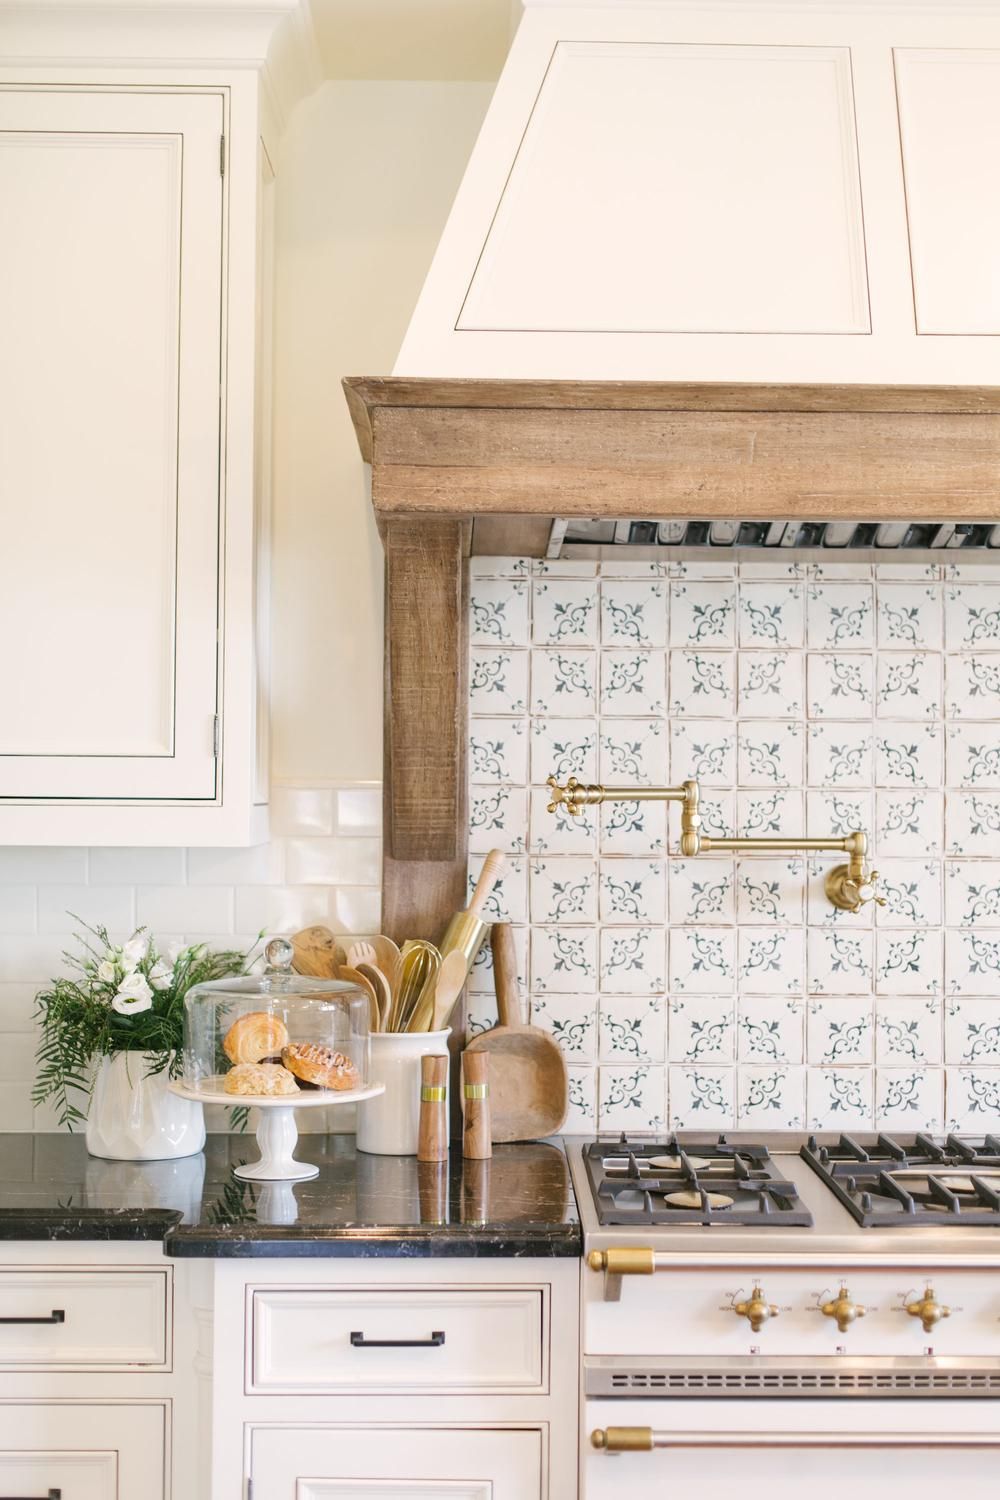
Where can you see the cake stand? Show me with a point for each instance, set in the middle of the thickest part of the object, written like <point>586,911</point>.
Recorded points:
<point>277,1132</point>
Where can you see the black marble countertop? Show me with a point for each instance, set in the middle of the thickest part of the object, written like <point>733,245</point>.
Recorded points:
<point>519,1203</point>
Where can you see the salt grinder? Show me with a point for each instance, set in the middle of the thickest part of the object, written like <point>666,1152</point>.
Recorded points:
<point>477,1144</point>
<point>432,1140</point>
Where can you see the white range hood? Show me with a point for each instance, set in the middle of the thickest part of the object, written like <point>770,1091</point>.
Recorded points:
<point>787,192</point>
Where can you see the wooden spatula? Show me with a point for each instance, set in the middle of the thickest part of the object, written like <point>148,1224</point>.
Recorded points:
<point>529,1091</point>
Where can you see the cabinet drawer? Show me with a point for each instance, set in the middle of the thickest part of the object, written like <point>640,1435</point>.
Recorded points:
<point>61,1320</point>
<point>316,1339</point>
<point>82,1452</point>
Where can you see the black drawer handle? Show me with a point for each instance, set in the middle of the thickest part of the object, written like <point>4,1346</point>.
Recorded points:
<point>359,1341</point>
<point>55,1316</point>
<point>52,1494</point>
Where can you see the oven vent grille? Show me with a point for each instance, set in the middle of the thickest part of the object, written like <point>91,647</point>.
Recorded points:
<point>801,1383</point>
<point>774,536</point>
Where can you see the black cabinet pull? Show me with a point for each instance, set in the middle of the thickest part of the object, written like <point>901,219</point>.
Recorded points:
<point>359,1341</point>
<point>52,1494</point>
<point>57,1315</point>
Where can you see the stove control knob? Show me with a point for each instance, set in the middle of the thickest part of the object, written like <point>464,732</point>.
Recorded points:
<point>928,1310</point>
<point>756,1309</point>
<point>843,1309</point>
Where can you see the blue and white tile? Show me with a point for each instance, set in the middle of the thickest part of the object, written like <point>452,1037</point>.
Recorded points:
<point>633,1028</point>
<point>973,756</point>
<point>840,1031</point>
<point>839,755</point>
<point>564,748</point>
<point>972,1031</point>
<point>820,910</point>
<point>839,1099</point>
<point>634,614</point>
<point>704,749</point>
<point>841,616</point>
<point>563,960</point>
<point>908,963</point>
<point>508,900</point>
<point>499,567</point>
<point>700,1029</point>
<point>908,1031</point>
<point>498,752</point>
<point>563,890</point>
<point>912,892</point>
<point>840,685</point>
<point>972,688</point>
<point>910,615</point>
<point>498,818</point>
<point>772,615</point>
<point>972,893</point>
<point>560,832</point>
<point>838,813</point>
<point>632,1099</point>
<point>972,823</point>
<point>770,754</point>
<point>703,614</point>
<point>972,1100</point>
<point>718,815</point>
<point>572,1020</point>
<point>498,682</point>
<point>702,1098</point>
<point>716,569</point>
<point>498,612</point>
<point>703,684</point>
<point>909,1099</point>
<point>771,961</point>
<point>829,571</point>
<point>581,1116</point>
<point>633,890</point>
<point>702,960</point>
<point>633,960</point>
<point>564,612</point>
<point>840,960</point>
<point>784,569</point>
<point>908,755</point>
<point>481,974</point>
<point>633,827</point>
<point>563,567</point>
<point>702,891</point>
<point>480,1014</point>
<point>909,823</point>
<point>972,616</point>
<point>770,1030</point>
<point>618,566</point>
<point>564,683</point>
<point>634,752</point>
<point>908,685</point>
<point>769,891</point>
<point>770,812</point>
<point>770,1098</point>
<point>973,961</point>
<point>771,684</point>
<point>633,682</point>
<point>909,572</point>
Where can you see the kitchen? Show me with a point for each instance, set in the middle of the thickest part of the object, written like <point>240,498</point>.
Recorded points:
<point>669,514</point>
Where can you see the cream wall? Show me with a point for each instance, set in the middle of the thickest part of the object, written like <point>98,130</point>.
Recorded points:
<point>367,175</point>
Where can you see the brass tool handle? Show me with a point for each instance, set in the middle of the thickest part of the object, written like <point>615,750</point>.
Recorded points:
<point>639,1260</point>
<point>756,1309</point>
<point>622,1439</point>
<point>843,1309</point>
<point>928,1310</point>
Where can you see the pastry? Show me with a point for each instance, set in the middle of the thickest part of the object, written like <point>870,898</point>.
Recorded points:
<point>254,1036</point>
<point>321,1065</point>
<point>265,1080</point>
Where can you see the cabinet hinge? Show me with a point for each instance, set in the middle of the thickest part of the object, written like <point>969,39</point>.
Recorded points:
<point>216,735</point>
<point>222,156</point>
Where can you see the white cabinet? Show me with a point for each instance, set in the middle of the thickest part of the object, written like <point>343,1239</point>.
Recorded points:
<point>80,1451</point>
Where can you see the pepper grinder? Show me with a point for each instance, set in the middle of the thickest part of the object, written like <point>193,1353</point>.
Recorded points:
<point>432,1139</point>
<point>477,1142</point>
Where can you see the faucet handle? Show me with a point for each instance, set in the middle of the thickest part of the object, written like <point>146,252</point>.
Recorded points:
<point>574,796</point>
<point>850,890</point>
<point>866,889</point>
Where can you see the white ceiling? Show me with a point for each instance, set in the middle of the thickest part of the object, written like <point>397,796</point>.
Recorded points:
<point>420,39</point>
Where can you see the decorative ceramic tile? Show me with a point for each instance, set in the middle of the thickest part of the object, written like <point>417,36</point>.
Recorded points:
<point>778,567</point>
<point>909,822</point>
<point>838,813</point>
<point>908,755</point>
<point>820,910</point>
<point>703,614</point>
<point>498,751</point>
<point>909,615</point>
<point>702,961</point>
<point>840,961</point>
<point>563,748</point>
<point>972,893</point>
<point>972,823</point>
<point>841,616</point>
<point>839,755</point>
<point>560,832</point>
<point>632,1099</point>
<point>498,682</point>
<point>563,890</point>
<point>563,683</point>
<point>563,960</point>
<point>719,568</point>
<point>498,817</point>
<point>770,1030</point>
<point>581,1117</point>
<point>771,1098</point>
<point>627,567</point>
<point>702,1098</point>
<point>700,1029</point>
<point>572,1020</point>
<point>634,752</point>
<point>973,756</point>
<point>840,1031</point>
<point>770,812</point>
<point>770,754</point>
<point>772,961</point>
<point>564,612</point>
<point>633,827</point>
<point>908,963</point>
<point>769,890</point>
<point>633,1028</point>
<point>633,682</point>
<point>909,1099</point>
<point>973,686</point>
<point>718,816</point>
<point>840,685</point>
<point>498,612</point>
<point>499,567</point>
<point>912,892</point>
<point>703,684</point>
<point>972,1032</point>
<point>634,615</point>
<point>633,890</point>
<point>973,961</point>
<point>908,1031</point>
<point>702,891</point>
<point>839,1099</point>
<point>633,960</point>
<point>508,900</point>
<point>972,1099</point>
<point>908,685</point>
<point>704,749</point>
<point>481,974</point>
<point>771,684</point>
<point>972,616</point>
<point>563,567</point>
<point>921,572</point>
<point>771,615</point>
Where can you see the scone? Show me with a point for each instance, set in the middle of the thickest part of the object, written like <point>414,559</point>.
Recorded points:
<point>254,1036</point>
<point>320,1065</point>
<point>265,1080</point>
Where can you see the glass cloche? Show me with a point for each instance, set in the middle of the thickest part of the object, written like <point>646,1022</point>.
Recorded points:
<point>276,1035</point>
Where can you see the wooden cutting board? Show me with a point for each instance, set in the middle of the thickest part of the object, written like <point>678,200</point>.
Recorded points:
<point>529,1093</point>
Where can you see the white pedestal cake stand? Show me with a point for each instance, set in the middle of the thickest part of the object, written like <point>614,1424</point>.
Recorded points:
<point>277,1132</point>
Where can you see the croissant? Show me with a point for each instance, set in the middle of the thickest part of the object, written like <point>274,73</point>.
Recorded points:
<point>322,1066</point>
<point>262,1079</point>
<point>255,1036</point>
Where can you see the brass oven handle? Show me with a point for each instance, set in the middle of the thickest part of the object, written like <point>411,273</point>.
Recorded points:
<point>622,1439</point>
<point>637,1260</point>
<point>928,1310</point>
<point>756,1309</point>
<point>843,1309</point>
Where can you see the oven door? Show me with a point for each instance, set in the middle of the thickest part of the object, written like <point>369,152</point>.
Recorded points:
<point>791,1450</point>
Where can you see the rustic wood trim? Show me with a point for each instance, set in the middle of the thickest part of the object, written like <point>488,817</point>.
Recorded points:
<point>361,416</point>
<point>510,536</point>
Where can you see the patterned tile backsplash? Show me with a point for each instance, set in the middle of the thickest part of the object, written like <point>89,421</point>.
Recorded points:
<point>724,990</point>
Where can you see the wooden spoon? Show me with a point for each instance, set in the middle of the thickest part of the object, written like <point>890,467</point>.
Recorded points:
<point>354,976</point>
<point>388,957</point>
<point>383,994</point>
<point>453,973</point>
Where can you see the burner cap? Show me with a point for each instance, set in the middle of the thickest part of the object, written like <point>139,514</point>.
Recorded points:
<point>688,1198</point>
<point>674,1163</point>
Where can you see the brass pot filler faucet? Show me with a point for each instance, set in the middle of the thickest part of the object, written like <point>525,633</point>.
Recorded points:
<point>849,886</point>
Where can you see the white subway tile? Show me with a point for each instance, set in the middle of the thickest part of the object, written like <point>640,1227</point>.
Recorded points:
<point>21,866</point>
<point>31,959</point>
<point>280,908</point>
<point>263,864</point>
<point>335,861</point>
<point>15,1106</point>
<point>18,908</point>
<point>64,908</point>
<point>137,866</point>
<point>17,1007</point>
<point>359,810</point>
<point>182,908</point>
<point>302,811</point>
<point>17,1058</point>
<point>358,910</point>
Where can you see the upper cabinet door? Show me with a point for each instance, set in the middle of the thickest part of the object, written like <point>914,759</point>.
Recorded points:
<point>111,262</point>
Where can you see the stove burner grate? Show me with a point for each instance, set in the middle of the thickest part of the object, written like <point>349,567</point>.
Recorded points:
<point>889,1183</point>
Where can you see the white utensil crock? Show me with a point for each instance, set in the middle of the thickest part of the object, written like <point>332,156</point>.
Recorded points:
<point>135,1117</point>
<point>388,1125</point>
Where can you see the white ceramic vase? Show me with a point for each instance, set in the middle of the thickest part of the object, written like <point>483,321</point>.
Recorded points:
<point>135,1117</point>
<point>389,1124</point>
